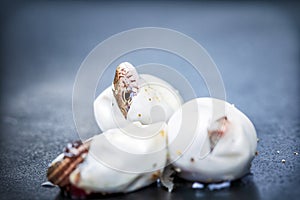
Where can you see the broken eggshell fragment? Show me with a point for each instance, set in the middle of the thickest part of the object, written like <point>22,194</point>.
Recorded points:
<point>223,141</point>
<point>132,97</point>
<point>105,172</point>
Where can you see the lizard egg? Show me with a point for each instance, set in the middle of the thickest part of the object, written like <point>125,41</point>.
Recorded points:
<point>104,171</point>
<point>156,101</point>
<point>222,141</point>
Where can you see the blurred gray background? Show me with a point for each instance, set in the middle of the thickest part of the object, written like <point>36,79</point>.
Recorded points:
<point>256,46</point>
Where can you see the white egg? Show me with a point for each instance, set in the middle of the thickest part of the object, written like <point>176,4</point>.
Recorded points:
<point>156,101</point>
<point>210,141</point>
<point>119,162</point>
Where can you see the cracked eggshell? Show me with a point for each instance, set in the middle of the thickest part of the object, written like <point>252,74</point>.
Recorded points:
<point>228,157</point>
<point>95,174</point>
<point>156,101</point>
<point>106,111</point>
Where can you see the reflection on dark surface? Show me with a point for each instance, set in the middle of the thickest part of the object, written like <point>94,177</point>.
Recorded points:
<point>240,189</point>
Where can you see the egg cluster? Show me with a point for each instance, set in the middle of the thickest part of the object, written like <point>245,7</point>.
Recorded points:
<point>147,128</point>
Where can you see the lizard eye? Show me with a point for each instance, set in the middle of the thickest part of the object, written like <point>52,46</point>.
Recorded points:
<point>127,96</point>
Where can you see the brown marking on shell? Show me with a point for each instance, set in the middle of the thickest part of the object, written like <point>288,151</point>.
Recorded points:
<point>178,152</point>
<point>155,175</point>
<point>162,133</point>
<point>77,178</point>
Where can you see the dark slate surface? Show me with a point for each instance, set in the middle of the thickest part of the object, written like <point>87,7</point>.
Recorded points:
<point>255,45</point>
